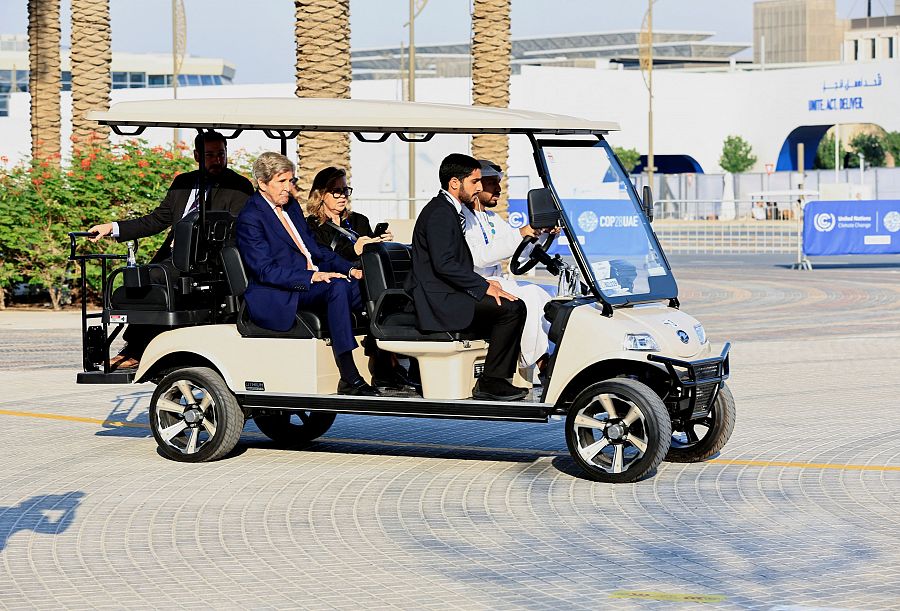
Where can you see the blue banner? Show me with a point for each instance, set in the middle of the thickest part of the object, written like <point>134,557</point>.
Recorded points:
<point>607,227</point>
<point>870,227</point>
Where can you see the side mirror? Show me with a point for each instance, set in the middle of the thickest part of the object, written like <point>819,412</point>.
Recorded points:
<point>542,210</point>
<point>647,203</point>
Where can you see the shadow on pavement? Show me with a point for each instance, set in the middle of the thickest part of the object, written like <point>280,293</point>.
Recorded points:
<point>128,416</point>
<point>48,514</point>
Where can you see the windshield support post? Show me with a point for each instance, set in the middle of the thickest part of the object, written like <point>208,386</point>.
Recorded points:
<point>201,193</point>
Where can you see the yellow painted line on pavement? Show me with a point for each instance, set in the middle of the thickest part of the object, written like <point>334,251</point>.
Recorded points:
<point>803,465</point>
<point>440,446</point>
<point>681,598</point>
<point>115,423</point>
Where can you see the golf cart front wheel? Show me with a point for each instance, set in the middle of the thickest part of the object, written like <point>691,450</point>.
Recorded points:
<point>294,428</point>
<point>618,430</point>
<point>700,439</point>
<point>194,416</point>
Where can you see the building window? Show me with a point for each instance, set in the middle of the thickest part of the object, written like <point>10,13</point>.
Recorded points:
<point>137,80</point>
<point>217,80</point>
<point>856,50</point>
<point>158,80</point>
<point>4,104</point>
<point>890,52</point>
<point>193,80</point>
<point>206,79</point>
<point>21,80</point>
<point>874,43</point>
<point>119,80</point>
<point>5,81</point>
<point>66,82</point>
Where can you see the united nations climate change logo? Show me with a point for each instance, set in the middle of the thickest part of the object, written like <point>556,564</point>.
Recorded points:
<point>824,221</point>
<point>892,221</point>
<point>588,221</point>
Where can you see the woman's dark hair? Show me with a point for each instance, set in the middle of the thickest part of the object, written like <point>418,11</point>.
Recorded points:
<point>456,165</point>
<point>324,180</point>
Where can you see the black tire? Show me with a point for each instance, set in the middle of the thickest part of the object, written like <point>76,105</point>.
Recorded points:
<point>618,430</point>
<point>282,430</point>
<point>689,446</point>
<point>176,419</point>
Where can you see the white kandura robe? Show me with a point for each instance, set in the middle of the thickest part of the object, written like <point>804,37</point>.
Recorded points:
<point>488,250</point>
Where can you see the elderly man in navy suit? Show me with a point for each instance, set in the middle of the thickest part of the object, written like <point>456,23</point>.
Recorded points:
<point>288,271</point>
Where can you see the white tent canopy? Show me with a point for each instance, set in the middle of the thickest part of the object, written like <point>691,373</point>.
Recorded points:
<point>363,116</point>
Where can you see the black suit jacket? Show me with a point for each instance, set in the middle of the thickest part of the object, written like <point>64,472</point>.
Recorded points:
<point>329,237</point>
<point>230,192</point>
<point>443,283</point>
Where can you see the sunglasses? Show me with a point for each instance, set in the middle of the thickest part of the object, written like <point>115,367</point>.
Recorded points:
<point>338,191</point>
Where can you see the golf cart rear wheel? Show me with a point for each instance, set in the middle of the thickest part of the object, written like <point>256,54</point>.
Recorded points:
<point>618,430</point>
<point>194,417</point>
<point>294,428</point>
<point>698,440</point>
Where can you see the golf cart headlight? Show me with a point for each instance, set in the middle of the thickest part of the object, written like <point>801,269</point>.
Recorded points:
<point>701,333</point>
<point>640,341</point>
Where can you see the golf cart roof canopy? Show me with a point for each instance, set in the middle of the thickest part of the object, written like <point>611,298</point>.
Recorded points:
<point>278,116</point>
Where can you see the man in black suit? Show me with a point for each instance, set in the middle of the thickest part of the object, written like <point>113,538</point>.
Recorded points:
<point>449,295</point>
<point>226,190</point>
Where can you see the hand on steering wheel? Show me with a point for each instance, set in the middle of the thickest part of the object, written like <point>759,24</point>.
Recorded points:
<point>519,265</point>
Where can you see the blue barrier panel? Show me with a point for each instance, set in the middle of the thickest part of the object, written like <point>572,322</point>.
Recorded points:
<point>870,227</point>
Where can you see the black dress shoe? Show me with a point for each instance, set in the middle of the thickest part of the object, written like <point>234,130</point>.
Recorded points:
<point>358,388</point>
<point>497,389</point>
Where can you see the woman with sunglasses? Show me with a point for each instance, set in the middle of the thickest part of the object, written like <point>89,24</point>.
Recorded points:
<point>331,220</point>
<point>346,232</point>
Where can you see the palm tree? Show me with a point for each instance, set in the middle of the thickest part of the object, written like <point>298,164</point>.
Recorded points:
<point>491,49</point>
<point>91,57</point>
<point>44,78</point>
<point>322,34</point>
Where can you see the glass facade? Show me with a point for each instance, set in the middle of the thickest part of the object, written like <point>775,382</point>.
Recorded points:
<point>17,80</point>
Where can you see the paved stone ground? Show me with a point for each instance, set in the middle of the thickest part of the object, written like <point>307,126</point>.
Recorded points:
<point>799,511</point>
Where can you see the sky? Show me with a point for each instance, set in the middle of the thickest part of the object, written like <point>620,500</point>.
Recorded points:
<point>257,37</point>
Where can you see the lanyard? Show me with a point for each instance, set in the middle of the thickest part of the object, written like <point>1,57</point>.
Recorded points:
<point>480,226</point>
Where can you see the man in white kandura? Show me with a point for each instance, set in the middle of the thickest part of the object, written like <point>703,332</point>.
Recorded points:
<point>492,240</point>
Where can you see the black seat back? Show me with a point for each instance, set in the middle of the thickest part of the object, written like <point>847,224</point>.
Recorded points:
<point>235,274</point>
<point>385,266</point>
<point>186,255</point>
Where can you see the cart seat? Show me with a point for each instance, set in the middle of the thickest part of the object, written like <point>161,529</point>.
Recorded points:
<point>307,324</point>
<point>386,266</point>
<point>168,287</point>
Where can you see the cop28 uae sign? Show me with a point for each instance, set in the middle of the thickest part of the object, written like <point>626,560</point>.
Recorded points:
<point>851,228</point>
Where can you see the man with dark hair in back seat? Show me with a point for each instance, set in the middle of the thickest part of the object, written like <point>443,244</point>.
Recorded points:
<point>449,295</point>
<point>225,190</point>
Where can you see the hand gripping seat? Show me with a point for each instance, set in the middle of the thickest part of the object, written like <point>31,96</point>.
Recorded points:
<point>307,325</point>
<point>173,292</point>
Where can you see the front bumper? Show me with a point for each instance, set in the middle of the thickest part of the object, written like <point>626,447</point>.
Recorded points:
<point>695,384</point>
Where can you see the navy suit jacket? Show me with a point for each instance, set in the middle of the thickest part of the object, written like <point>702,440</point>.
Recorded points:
<point>276,268</point>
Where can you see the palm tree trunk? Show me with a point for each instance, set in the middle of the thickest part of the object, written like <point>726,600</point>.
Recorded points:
<point>322,33</point>
<point>491,50</point>
<point>91,57</point>
<point>44,78</point>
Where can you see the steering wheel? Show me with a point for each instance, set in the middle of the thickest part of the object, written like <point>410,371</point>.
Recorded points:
<point>538,254</point>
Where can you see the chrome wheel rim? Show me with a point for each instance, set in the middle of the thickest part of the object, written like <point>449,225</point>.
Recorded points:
<point>186,417</point>
<point>611,433</point>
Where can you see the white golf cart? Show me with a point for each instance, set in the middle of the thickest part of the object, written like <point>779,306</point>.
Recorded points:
<point>633,376</point>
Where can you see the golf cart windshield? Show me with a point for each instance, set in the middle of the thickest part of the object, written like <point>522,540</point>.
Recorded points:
<point>605,222</point>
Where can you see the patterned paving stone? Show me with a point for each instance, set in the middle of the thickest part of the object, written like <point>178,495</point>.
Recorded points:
<point>386,513</point>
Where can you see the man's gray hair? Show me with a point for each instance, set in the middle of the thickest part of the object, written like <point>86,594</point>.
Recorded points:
<point>269,164</point>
